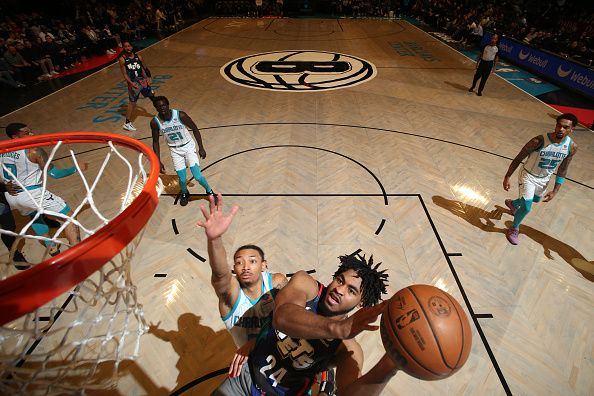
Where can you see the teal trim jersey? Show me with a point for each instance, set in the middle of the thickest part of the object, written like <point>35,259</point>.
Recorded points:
<point>22,169</point>
<point>173,130</point>
<point>247,315</point>
<point>544,161</point>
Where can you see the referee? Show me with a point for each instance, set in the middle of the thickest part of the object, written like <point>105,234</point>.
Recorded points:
<point>485,64</point>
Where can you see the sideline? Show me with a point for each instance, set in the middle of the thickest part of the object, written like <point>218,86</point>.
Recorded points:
<point>516,76</point>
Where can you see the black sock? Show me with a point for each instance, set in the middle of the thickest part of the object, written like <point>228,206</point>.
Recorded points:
<point>127,121</point>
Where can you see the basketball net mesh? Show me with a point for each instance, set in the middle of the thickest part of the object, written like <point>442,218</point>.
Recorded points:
<point>76,341</point>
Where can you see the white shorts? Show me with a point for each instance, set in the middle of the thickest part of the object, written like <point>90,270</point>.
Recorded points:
<point>185,156</point>
<point>49,202</point>
<point>531,185</point>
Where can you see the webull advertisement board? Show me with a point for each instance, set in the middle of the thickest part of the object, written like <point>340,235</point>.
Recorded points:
<point>551,67</point>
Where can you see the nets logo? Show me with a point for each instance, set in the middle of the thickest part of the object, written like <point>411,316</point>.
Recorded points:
<point>298,71</point>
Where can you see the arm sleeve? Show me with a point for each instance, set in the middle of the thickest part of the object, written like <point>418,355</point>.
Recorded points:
<point>58,173</point>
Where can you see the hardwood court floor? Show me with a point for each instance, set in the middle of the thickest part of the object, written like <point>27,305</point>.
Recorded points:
<point>407,166</point>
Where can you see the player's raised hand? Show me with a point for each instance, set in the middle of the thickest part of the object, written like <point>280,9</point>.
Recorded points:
<point>216,222</point>
<point>361,321</point>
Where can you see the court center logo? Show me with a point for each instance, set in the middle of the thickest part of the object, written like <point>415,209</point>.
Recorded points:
<point>298,71</point>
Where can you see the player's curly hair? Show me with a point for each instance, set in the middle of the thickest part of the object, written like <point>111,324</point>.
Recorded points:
<point>373,282</point>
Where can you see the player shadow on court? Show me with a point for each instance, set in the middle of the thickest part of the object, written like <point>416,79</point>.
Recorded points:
<point>456,86</point>
<point>478,217</point>
<point>201,350</point>
<point>483,219</point>
<point>170,184</point>
<point>171,187</point>
<point>138,112</point>
<point>566,252</point>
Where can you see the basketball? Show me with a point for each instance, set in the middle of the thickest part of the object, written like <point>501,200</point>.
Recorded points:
<point>425,331</point>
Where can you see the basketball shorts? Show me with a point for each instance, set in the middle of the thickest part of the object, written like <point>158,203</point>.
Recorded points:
<point>184,156</point>
<point>240,385</point>
<point>25,205</point>
<point>143,88</point>
<point>530,185</point>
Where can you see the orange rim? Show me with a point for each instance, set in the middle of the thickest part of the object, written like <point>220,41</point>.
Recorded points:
<point>28,290</point>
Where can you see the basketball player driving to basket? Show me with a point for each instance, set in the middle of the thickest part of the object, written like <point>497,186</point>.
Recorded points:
<point>246,299</point>
<point>309,331</point>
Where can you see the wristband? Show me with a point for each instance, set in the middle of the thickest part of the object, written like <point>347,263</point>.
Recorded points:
<point>559,180</point>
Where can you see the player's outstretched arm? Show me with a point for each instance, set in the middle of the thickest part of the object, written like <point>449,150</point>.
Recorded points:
<point>160,333</point>
<point>156,146</point>
<point>371,383</point>
<point>561,172</point>
<point>291,317</point>
<point>215,224</point>
<point>534,144</point>
<point>40,157</point>
<point>190,124</point>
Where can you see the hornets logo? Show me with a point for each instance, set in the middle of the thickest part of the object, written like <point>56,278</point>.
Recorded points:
<point>298,71</point>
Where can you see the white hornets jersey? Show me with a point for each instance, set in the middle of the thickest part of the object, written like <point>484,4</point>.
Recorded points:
<point>175,132</point>
<point>25,171</point>
<point>246,317</point>
<point>544,161</point>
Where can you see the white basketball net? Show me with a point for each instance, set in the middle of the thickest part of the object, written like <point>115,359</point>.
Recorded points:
<point>76,341</point>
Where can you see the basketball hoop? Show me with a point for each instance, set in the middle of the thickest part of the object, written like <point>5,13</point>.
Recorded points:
<point>67,317</point>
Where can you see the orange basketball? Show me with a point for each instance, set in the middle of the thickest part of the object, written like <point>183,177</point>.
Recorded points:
<point>426,331</point>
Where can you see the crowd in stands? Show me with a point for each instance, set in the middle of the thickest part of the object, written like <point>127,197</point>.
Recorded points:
<point>39,45</point>
<point>562,27</point>
<point>36,46</point>
<point>366,8</point>
<point>249,8</point>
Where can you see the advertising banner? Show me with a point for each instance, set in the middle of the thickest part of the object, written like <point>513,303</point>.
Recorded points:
<point>554,68</point>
